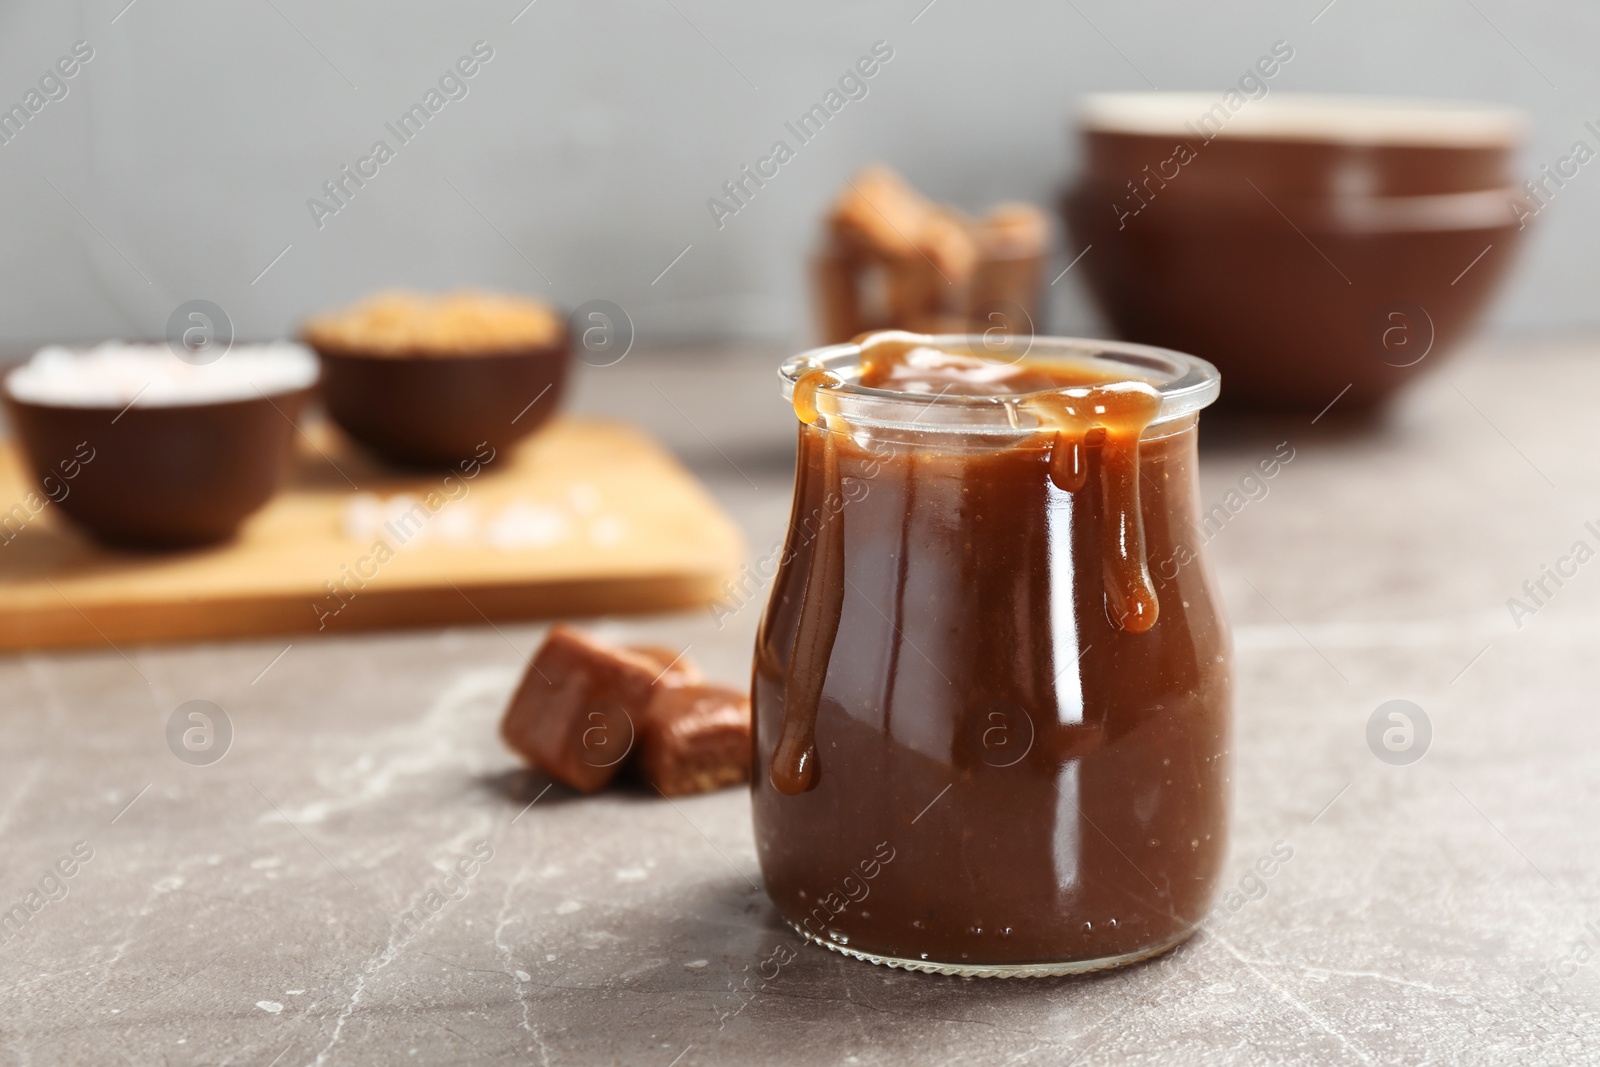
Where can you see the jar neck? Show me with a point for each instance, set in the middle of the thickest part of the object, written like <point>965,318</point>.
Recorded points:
<point>968,439</point>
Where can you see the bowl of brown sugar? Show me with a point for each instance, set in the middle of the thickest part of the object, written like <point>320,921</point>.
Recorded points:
<point>429,379</point>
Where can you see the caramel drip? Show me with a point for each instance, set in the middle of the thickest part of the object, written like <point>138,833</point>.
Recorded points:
<point>794,759</point>
<point>793,769</point>
<point>1129,590</point>
<point>1108,418</point>
<point>806,388</point>
<point>1069,458</point>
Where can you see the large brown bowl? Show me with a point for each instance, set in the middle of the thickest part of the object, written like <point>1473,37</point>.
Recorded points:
<point>1297,144</point>
<point>434,410</point>
<point>1302,307</point>
<point>170,476</point>
<point>1339,255</point>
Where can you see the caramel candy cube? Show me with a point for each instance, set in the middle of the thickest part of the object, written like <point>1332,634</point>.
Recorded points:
<point>946,241</point>
<point>883,234</point>
<point>696,738</point>
<point>877,212</point>
<point>580,707</point>
<point>672,667</point>
<point>1013,231</point>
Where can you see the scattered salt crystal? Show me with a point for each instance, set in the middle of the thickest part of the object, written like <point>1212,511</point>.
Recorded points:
<point>404,520</point>
<point>608,531</point>
<point>363,515</point>
<point>524,525</point>
<point>457,523</point>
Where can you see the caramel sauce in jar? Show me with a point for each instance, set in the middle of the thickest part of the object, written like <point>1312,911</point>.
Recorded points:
<point>982,660</point>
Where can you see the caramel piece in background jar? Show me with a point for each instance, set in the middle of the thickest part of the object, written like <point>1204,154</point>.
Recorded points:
<point>879,214</point>
<point>893,259</point>
<point>874,270</point>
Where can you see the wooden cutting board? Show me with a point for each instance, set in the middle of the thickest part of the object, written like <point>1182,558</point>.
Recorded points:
<point>586,517</point>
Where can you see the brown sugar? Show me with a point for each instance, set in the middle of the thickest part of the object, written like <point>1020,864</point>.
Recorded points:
<point>401,323</point>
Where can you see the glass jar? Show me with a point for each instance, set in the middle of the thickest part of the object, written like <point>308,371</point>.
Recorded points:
<point>975,753</point>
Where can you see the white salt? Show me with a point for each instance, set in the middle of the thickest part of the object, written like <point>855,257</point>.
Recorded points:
<point>115,375</point>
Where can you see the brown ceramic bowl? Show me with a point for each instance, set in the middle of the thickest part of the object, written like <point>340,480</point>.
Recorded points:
<point>1314,248</point>
<point>1301,144</point>
<point>439,409</point>
<point>160,476</point>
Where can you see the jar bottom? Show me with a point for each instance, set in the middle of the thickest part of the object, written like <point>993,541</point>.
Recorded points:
<point>1001,970</point>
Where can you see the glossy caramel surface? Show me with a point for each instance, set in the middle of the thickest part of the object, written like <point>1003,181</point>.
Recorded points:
<point>949,664</point>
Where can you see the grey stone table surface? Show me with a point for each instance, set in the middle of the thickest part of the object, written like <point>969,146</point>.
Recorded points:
<point>1445,911</point>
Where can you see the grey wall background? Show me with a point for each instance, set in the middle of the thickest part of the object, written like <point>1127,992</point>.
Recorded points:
<point>180,162</point>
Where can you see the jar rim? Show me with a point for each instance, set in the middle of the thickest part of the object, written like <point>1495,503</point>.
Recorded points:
<point>1186,383</point>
